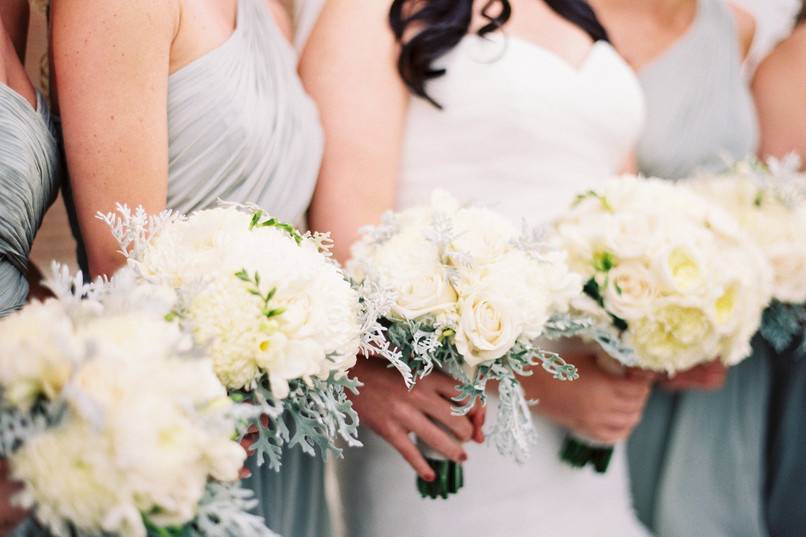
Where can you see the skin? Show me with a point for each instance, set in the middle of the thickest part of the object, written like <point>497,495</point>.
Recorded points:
<point>642,31</point>
<point>780,91</point>
<point>105,110</point>
<point>364,125</point>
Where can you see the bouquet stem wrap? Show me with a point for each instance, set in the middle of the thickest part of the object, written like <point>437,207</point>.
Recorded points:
<point>450,477</point>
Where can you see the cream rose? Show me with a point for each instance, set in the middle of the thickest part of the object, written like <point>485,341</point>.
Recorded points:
<point>681,269</point>
<point>424,295</point>
<point>631,290</point>
<point>488,327</point>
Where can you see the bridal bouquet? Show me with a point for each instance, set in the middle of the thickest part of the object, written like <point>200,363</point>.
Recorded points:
<point>113,425</point>
<point>673,276</point>
<point>468,294</point>
<point>769,201</point>
<point>279,320</point>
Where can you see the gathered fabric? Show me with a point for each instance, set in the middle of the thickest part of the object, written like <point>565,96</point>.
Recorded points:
<point>30,175</point>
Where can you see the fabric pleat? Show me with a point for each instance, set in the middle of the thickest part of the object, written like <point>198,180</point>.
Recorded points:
<point>30,174</point>
<point>700,114</point>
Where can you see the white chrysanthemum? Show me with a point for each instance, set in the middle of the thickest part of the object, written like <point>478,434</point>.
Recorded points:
<point>776,224</point>
<point>463,267</point>
<point>38,351</point>
<point>676,268</point>
<point>68,475</point>
<point>309,326</point>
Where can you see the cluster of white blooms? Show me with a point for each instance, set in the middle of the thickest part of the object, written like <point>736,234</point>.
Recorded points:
<point>772,210</point>
<point>137,427</point>
<point>470,272</point>
<point>263,300</point>
<point>673,273</point>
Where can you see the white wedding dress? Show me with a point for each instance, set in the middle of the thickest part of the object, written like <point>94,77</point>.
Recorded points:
<point>522,131</point>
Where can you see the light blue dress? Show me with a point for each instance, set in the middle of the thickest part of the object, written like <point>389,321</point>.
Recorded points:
<point>30,174</point>
<point>241,128</point>
<point>697,459</point>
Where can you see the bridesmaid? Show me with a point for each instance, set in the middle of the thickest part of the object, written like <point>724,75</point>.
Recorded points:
<point>208,107</point>
<point>689,56</point>
<point>780,90</point>
<point>30,173</point>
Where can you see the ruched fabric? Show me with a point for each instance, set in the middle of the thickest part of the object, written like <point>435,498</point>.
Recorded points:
<point>30,174</point>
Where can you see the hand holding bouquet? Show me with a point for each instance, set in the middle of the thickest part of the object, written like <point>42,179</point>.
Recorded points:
<point>671,275</point>
<point>468,294</point>
<point>280,322</point>
<point>113,425</point>
<point>769,202</point>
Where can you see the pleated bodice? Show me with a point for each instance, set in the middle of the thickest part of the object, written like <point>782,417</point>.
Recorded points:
<point>30,174</point>
<point>700,114</point>
<point>241,127</point>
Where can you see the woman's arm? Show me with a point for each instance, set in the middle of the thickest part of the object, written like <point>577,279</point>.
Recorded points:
<point>14,16</point>
<point>349,68</point>
<point>780,92</point>
<point>112,65</point>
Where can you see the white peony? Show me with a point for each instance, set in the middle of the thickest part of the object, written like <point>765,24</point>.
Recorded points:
<point>772,211</point>
<point>679,279</point>
<point>38,352</point>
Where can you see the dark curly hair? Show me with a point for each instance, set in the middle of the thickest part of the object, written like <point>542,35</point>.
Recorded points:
<point>802,14</point>
<point>439,25</point>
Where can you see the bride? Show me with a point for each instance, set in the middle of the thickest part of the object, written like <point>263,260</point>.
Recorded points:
<point>518,105</point>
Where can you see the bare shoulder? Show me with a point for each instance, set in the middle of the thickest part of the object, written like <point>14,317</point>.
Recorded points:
<point>745,25</point>
<point>154,18</point>
<point>786,63</point>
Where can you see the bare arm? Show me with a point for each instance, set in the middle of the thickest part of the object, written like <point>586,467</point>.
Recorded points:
<point>14,16</point>
<point>112,62</point>
<point>780,92</point>
<point>349,69</point>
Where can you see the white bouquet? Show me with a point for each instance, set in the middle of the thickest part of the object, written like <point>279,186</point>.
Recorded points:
<point>673,275</point>
<point>769,201</point>
<point>279,320</point>
<point>111,422</point>
<point>470,294</point>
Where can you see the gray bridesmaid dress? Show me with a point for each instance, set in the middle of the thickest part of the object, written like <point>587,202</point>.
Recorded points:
<point>241,128</point>
<point>30,174</point>
<point>696,460</point>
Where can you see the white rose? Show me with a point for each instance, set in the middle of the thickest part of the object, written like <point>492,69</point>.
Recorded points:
<point>631,234</point>
<point>423,295</point>
<point>681,269</point>
<point>631,290</point>
<point>488,328</point>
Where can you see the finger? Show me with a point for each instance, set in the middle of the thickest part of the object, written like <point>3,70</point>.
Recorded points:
<point>478,416</point>
<point>444,385</point>
<point>461,426</point>
<point>435,437</point>
<point>641,374</point>
<point>403,444</point>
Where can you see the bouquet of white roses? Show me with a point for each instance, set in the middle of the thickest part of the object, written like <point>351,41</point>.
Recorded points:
<point>469,294</point>
<point>769,202</point>
<point>111,422</point>
<point>279,320</point>
<point>673,276</point>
